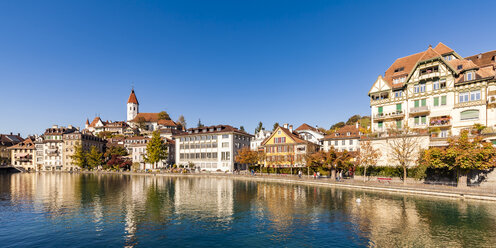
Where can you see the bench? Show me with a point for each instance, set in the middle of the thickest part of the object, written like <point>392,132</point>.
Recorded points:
<point>384,179</point>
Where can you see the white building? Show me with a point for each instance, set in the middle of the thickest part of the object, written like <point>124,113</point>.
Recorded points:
<point>138,152</point>
<point>436,89</point>
<point>345,138</point>
<point>256,142</point>
<point>309,133</point>
<point>211,148</point>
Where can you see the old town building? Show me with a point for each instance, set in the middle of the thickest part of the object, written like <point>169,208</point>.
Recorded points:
<point>22,155</point>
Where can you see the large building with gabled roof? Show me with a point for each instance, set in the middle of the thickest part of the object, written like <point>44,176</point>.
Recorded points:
<point>436,90</point>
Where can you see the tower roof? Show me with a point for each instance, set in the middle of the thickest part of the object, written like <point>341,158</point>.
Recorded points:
<point>132,98</point>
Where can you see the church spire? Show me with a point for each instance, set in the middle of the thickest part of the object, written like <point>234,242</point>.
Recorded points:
<point>132,98</point>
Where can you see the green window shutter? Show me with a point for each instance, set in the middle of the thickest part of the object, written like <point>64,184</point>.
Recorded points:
<point>379,124</point>
<point>380,110</point>
<point>436,101</point>
<point>398,124</point>
<point>417,120</point>
<point>398,107</point>
<point>472,114</point>
<point>416,103</point>
<point>424,102</point>
<point>424,119</point>
<point>443,100</point>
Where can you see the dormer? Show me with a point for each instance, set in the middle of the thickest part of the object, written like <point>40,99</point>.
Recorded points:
<point>448,57</point>
<point>399,69</point>
<point>348,133</point>
<point>469,75</point>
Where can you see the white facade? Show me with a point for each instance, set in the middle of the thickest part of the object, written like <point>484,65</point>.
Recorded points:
<point>211,148</point>
<point>259,137</point>
<point>132,110</point>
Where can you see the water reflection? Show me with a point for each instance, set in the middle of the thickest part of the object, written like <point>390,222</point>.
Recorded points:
<point>119,210</point>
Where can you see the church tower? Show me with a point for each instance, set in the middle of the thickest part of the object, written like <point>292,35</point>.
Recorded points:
<point>132,106</point>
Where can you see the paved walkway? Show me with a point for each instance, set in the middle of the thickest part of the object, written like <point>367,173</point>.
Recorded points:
<point>480,193</point>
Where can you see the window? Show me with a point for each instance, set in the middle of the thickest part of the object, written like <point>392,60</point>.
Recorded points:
<point>398,124</point>
<point>472,114</point>
<point>380,124</point>
<point>399,69</point>
<point>447,57</point>
<point>423,120</point>
<point>435,85</point>
<point>379,109</point>
<point>469,76</point>
<point>423,102</point>
<point>459,67</point>
<point>443,100</point>
<point>398,93</point>
<point>416,88</point>
<point>343,142</point>
<point>422,87</point>
<point>416,103</point>
<point>225,136</point>
<point>436,101</point>
<point>442,83</point>
<point>398,107</point>
<point>225,144</point>
<point>463,97</point>
<point>351,142</point>
<point>335,142</point>
<point>429,70</point>
<point>475,95</point>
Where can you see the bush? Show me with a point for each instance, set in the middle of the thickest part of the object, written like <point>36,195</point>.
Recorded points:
<point>391,171</point>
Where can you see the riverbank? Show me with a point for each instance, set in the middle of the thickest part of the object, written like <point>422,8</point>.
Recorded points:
<point>473,193</point>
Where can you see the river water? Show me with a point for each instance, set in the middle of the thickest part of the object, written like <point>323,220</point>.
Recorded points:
<point>88,210</point>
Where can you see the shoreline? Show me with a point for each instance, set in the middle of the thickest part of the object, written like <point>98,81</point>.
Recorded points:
<point>428,190</point>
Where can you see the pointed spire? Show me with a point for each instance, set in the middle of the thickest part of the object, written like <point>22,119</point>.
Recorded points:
<point>132,98</point>
<point>87,121</point>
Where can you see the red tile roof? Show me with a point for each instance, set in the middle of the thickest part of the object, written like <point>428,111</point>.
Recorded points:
<point>305,126</point>
<point>213,129</point>
<point>95,121</point>
<point>483,59</point>
<point>342,133</point>
<point>132,98</point>
<point>26,144</point>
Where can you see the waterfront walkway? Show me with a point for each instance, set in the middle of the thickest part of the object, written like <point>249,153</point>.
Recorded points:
<point>478,193</point>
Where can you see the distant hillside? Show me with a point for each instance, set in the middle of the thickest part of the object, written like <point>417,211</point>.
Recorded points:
<point>363,120</point>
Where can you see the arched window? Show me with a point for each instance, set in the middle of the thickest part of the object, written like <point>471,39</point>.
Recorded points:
<point>471,114</point>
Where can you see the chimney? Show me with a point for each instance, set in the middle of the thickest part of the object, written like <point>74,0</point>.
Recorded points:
<point>479,56</point>
<point>285,125</point>
<point>10,133</point>
<point>356,125</point>
<point>290,128</point>
<point>19,134</point>
<point>430,46</point>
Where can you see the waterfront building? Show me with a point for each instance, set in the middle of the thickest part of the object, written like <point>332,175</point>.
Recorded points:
<point>345,138</point>
<point>50,148</point>
<point>97,125</point>
<point>22,155</point>
<point>85,140</point>
<point>285,148</point>
<point>256,142</point>
<point>211,148</point>
<point>436,89</point>
<point>138,152</point>
<point>309,133</point>
<point>6,141</point>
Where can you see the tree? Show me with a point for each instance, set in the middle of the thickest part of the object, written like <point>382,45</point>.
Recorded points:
<point>259,127</point>
<point>156,150</point>
<point>247,156</point>
<point>462,154</point>
<point>367,156</point>
<point>181,122</point>
<point>275,126</point>
<point>404,148</point>
<point>163,116</point>
<point>115,150</point>
<point>241,128</point>
<point>79,156</point>
<point>352,120</point>
<point>141,123</point>
<point>337,126</point>
<point>105,135</point>
<point>94,158</point>
<point>200,123</point>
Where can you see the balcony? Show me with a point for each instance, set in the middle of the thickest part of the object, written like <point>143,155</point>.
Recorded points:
<point>419,110</point>
<point>440,122</point>
<point>52,151</point>
<point>393,115</point>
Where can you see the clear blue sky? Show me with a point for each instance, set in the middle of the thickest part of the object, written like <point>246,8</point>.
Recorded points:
<point>226,62</point>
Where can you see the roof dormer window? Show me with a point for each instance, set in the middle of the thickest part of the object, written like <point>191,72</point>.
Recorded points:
<point>337,134</point>
<point>447,57</point>
<point>469,76</point>
<point>348,133</point>
<point>399,69</point>
<point>459,67</point>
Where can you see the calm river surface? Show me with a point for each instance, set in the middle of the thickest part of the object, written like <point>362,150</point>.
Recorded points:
<point>86,210</point>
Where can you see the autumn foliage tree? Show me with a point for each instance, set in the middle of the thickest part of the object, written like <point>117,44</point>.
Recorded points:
<point>247,156</point>
<point>367,156</point>
<point>463,154</point>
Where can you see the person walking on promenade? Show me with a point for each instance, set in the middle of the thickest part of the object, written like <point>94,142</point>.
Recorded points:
<point>299,173</point>
<point>318,174</point>
<point>314,175</point>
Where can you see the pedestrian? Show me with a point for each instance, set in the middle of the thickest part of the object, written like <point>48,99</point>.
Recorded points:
<point>299,173</point>
<point>318,174</point>
<point>314,175</point>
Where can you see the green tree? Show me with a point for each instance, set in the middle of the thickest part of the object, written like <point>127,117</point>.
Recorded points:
<point>163,116</point>
<point>352,120</point>
<point>337,125</point>
<point>115,150</point>
<point>275,126</point>
<point>94,158</point>
<point>259,127</point>
<point>142,123</point>
<point>242,128</point>
<point>79,156</point>
<point>156,150</point>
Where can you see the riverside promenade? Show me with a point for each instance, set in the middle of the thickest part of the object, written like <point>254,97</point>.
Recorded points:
<point>473,193</point>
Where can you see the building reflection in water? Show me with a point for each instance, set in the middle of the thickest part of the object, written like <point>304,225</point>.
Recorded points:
<point>133,206</point>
